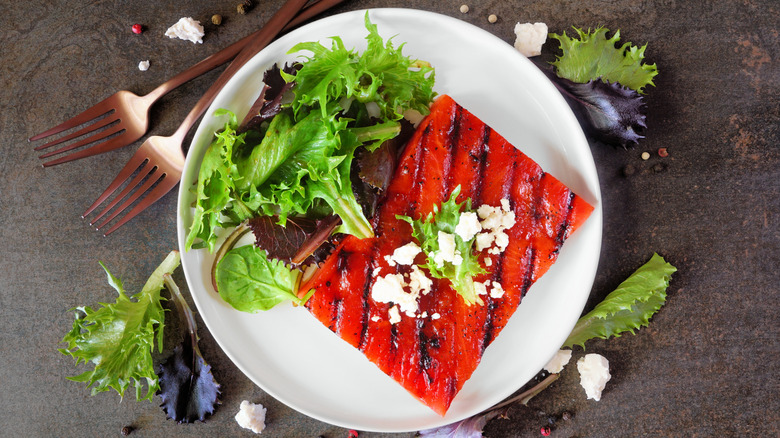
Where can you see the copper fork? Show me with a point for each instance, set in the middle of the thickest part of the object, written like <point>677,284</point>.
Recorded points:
<point>123,117</point>
<point>159,161</point>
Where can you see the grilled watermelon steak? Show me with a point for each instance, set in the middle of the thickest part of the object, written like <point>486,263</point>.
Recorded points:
<point>433,350</point>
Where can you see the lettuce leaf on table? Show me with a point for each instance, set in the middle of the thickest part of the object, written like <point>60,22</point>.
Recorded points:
<point>603,84</point>
<point>627,308</point>
<point>118,338</point>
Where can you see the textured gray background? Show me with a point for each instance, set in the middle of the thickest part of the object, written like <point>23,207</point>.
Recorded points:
<point>706,366</point>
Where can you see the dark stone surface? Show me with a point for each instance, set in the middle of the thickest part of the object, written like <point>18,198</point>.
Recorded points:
<point>706,366</point>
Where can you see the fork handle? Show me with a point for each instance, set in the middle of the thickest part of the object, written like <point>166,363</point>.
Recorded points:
<point>267,34</point>
<point>317,7</point>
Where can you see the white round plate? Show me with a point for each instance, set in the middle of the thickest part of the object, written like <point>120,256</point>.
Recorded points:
<point>294,358</point>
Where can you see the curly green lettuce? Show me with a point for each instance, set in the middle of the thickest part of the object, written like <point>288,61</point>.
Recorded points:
<point>592,56</point>
<point>444,220</point>
<point>627,308</point>
<point>118,338</point>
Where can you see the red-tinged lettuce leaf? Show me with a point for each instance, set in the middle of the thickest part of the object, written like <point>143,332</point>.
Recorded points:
<point>294,242</point>
<point>269,103</point>
<point>188,390</point>
<point>607,112</point>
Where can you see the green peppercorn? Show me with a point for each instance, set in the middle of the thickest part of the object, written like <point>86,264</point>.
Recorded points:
<point>216,19</point>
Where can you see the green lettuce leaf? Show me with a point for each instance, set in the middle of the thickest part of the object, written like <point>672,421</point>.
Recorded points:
<point>381,75</point>
<point>249,281</point>
<point>119,338</point>
<point>592,56</point>
<point>627,308</point>
<point>426,232</point>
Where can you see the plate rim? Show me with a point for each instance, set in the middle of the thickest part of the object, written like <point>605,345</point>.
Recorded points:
<point>595,222</point>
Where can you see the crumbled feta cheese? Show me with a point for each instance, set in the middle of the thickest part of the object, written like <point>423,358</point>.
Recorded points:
<point>594,374</point>
<point>529,38</point>
<point>376,318</point>
<point>556,364</point>
<point>484,240</point>
<point>389,260</point>
<point>502,240</point>
<point>505,204</point>
<point>390,289</point>
<point>419,283</point>
<point>143,65</point>
<point>496,291</point>
<point>435,316</point>
<point>480,288</point>
<point>186,29</point>
<point>488,261</point>
<point>468,226</point>
<point>446,246</point>
<point>405,255</point>
<point>394,315</point>
<point>251,416</point>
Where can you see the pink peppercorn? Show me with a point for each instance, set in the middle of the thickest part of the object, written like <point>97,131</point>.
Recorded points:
<point>546,431</point>
<point>137,28</point>
<point>353,433</point>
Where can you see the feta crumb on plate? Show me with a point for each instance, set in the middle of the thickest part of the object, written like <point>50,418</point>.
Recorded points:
<point>186,29</point>
<point>143,65</point>
<point>556,364</point>
<point>594,374</point>
<point>251,416</point>
<point>529,38</point>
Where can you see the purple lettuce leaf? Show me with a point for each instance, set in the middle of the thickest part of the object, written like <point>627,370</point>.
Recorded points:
<point>607,112</point>
<point>188,390</point>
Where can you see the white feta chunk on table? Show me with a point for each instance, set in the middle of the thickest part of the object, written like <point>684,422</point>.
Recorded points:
<point>251,416</point>
<point>556,364</point>
<point>186,29</point>
<point>594,374</point>
<point>529,38</point>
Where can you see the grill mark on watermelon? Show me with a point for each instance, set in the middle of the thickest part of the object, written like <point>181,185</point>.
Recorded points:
<point>563,230</point>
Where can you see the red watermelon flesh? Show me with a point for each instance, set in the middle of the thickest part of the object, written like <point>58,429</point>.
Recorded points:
<point>432,357</point>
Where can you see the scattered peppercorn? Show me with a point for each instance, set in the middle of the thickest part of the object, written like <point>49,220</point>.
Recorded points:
<point>216,19</point>
<point>566,416</point>
<point>464,8</point>
<point>127,430</point>
<point>137,28</point>
<point>545,431</point>
<point>353,433</point>
<point>659,167</point>
<point>662,152</point>
<point>492,18</point>
<point>645,156</point>
<point>629,170</point>
<point>241,9</point>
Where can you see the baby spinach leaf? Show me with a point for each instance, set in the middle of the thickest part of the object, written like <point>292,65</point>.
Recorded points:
<point>249,281</point>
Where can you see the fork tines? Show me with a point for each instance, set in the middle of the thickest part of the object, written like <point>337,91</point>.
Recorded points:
<point>144,181</point>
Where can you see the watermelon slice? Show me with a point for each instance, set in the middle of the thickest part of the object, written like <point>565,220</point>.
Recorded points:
<point>433,355</point>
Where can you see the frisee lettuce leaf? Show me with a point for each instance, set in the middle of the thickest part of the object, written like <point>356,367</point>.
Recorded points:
<point>592,56</point>
<point>426,232</point>
<point>627,308</point>
<point>119,338</point>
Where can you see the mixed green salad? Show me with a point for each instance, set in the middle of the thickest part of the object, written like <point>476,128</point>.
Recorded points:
<point>309,161</point>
